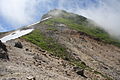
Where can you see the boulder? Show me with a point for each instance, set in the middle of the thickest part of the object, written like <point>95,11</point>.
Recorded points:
<point>79,71</point>
<point>3,46</point>
<point>18,45</point>
<point>3,51</point>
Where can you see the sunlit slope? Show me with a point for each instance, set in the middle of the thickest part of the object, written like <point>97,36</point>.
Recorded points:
<point>81,24</point>
<point>46,35</point>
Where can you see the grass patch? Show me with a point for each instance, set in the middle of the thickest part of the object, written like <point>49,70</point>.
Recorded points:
<point>52,29</point>
<point>105,76</point>
<point>83,26</point>
<point>79,64</point>
<point>46,43</point>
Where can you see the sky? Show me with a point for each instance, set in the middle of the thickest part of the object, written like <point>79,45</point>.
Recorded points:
<point>17,13</point>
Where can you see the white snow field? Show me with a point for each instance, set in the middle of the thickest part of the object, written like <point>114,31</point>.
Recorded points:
<point>19,33</point>
<point>33,24</point>
<point>16,34</point>
<point>46,18</point>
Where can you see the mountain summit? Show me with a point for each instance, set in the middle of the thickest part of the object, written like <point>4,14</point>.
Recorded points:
<point>62,46</point>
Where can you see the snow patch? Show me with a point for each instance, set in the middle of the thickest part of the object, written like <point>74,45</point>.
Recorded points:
<point>16,34</point>
<point>46,18</point>
<point>40,21</point>
<point>33,24</point>
<point>20,33</point>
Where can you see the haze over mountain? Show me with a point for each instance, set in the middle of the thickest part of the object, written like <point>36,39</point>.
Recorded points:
<point>23,12</point>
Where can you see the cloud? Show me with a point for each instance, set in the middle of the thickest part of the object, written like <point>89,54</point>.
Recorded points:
<point>106,13</point>
<point>18,12</point>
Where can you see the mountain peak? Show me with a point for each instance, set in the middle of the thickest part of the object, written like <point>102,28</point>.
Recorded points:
<point>55,13</point>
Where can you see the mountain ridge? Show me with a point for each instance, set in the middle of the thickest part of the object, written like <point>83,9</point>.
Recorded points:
<point>79,23</point>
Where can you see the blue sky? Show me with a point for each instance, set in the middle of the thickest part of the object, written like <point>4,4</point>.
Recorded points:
<point>9,18</point>
<point>18,13</point>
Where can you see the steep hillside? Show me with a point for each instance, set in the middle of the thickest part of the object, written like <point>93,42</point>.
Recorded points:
<point>63,46</point>
<point>81,24</point>
<point>75,39</point>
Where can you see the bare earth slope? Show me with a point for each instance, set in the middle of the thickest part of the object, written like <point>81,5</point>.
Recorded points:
<point>33,62</point>
<point>100,56</point>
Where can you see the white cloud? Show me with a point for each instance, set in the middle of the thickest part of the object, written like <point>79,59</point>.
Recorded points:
<point>104,12</point>
<point>107,15</point>
<point>18,12</point>
<point>22,12</point>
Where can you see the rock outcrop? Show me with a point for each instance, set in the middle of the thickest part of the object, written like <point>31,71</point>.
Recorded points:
<point>18,45</point>
<point>3,51</point>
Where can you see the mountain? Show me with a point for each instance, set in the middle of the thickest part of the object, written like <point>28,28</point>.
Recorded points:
<point>62,46</point>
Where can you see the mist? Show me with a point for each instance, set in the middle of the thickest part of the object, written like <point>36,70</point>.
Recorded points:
<point>105,13</point>
<point>18,12</point>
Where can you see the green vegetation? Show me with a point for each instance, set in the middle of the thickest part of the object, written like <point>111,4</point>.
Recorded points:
<point>46,43</point>
<point>108,78</point>
<point>78,23</point>
<point>53,47</point>
<point>52,29</point>
<point>83,26</point>
<point>82,65</point>
<point>79,64</point>
<point>56,49</point>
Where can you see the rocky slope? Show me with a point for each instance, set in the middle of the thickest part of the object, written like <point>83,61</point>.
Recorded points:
<point>33,62</point>
<point>63,46</point>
